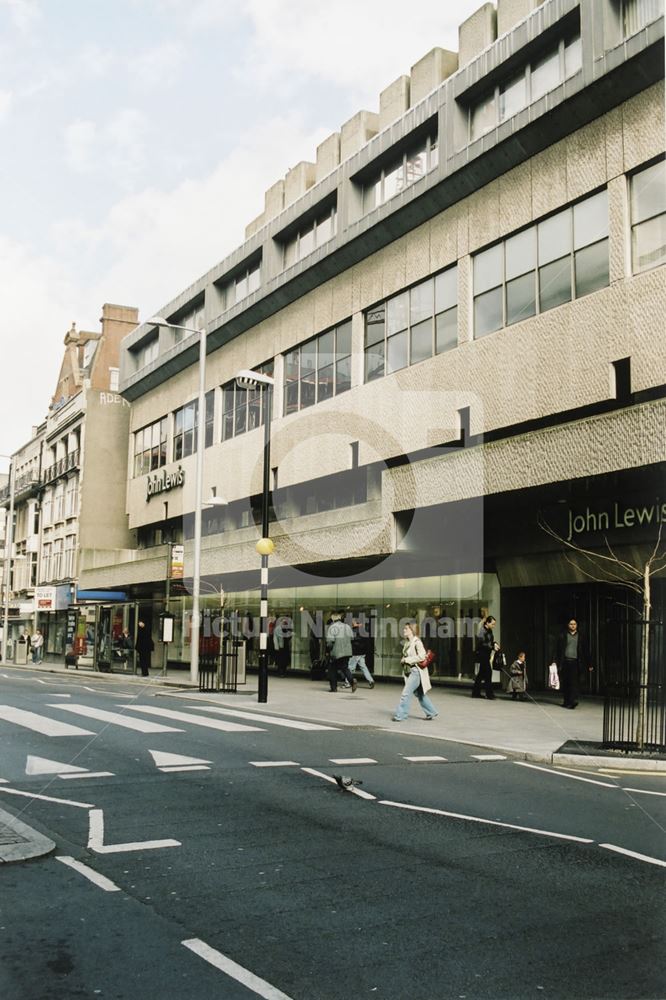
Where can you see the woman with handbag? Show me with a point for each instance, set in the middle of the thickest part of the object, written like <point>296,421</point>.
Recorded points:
<point>415,662</point>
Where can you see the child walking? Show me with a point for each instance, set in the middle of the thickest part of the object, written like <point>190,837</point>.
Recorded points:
<point>518,678</point>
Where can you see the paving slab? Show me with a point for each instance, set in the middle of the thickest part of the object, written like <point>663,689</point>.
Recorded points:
<point>19,842</point>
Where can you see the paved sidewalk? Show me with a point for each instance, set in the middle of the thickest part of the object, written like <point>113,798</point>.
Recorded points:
<point>19,842</point>
<point>535,730</point>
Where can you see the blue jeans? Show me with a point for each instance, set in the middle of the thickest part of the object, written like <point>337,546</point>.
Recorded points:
<point>412,686</point>
<point>359,661</point>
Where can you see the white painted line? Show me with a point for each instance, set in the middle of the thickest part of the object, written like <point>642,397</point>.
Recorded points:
<point>273,763</point>
<point>319,774</point>
<point>164,759</point>
<point>562,774</point>
<point>116,719</point>
<point>167,713</point>
<point>87,774</point>
<point>273,720</point>
<point>488,756</point>
<point>4,781</point>
<point>633,854</point>
<point>96,839</point>
<point>47,798</point>
<point>185,767</point>
<point>643,791</point>
<point>361,794</point>
<point>235,971</point>
<point>40,724</point>
<point>632,772</point>
<point>90,873</point>
<point>42,765</point>
<point>352,760</point>
<point>94,690</point>
<point>424,760</point>
<point>39,682</point>
<point>489,822</point>
<point>56,695</point>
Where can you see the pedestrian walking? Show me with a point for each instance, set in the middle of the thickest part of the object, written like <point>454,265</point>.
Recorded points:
<point>518,678</point>
<point>282,633</point>
<point>339,641</point>
<point>417,678</point>
<point>361,648</point>
<point>144,646</point>
<point>572,657</point>
<point>37,645</point>
<point>485,647</point>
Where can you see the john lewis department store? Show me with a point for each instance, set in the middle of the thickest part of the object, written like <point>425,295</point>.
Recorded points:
<point>459,302</point>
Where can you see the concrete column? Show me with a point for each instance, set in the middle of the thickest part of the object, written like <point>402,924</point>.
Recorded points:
<point>393,101</point>
<point>476,33</point>
<point>428,72</point>
<point>357,131</point>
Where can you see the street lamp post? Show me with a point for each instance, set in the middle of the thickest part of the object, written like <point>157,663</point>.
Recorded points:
<point>250,380</point>
<point>7,565</point>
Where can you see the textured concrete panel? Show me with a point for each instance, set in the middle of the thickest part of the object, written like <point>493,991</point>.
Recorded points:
<point>297,181</point>
<point>394,268</point>
<point>428,72</point>
<point>549,180</point>
<point>356,131</point>
<point>643,126</point>
<point>274,200</point>
<point>417,254</point>
<point>444,239</point>
<point>476,33</point>
<point>510,12</point>
<point>515,198</point>
<point>393,101</point>
<point>614,143</point>
<point>617,216</point>
<point>586,159</point>
<point>328,155</point>
<point>254,226</point>
<point>484,216</point>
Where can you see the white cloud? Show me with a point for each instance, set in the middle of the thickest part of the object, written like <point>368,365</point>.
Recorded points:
<point>367,45</point>
<point>158,66</point>
<point>24,13</point>
<point>116,149</point>
<point>6,101</point>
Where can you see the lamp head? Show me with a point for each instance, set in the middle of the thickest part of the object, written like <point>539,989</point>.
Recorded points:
<point>248,379</point>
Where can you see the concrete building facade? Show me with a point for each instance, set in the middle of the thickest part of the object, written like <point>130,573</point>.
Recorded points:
<point>459,302</point>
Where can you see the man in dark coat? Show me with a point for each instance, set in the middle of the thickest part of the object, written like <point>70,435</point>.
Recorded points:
<point>485,647</point>
<point>571,657</point>
<point>144,646</point>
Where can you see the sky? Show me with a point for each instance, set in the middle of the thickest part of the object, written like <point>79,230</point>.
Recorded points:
<point>137,139</point>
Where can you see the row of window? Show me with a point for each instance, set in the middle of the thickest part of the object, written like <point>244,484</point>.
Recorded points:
<point>407,168</point>
<point>58,559</point>
<point>531,83</point>
<point>317,232</point>
<point>62,503</point>
<point>562,257</point>
<point>554,261</point>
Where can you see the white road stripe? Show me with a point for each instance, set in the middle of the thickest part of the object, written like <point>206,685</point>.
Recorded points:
<point>562,774</point>
<point>419,760</point>
<point>57,695</point>
<point>40,723</point>
<point>4,781</point>
<point>38,681</point>
<point>319,774</point>
<point>633,854</point>
<point>185,767</point>
<point>352,760</point>
<point>96,838</point>
<point>138,725</point>
<point>88,774</point>
<point>488,822</point>
<point>99,880</point>
<point>273,763</point>
<point>168,760</point>
<point>42,765</point>
<point>235,971</point>
<point>47,798</point>
<point>361,794</point>
<point>272,720</point>
<point>488,756</point>
<point>643,791</point>
<point>167,713</point>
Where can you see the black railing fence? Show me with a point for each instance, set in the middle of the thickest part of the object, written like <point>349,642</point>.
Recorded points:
<point>635,705</point>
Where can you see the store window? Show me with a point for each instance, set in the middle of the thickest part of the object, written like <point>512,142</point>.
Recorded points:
<point>243,409</point>
<point>318,369</point>
<point>534,80</point>
<point>400,173</point>
<point>561,258</point>
<point>185,430</point>
<point>150,447</point>
<point>648,217</point>
<point>312,235</point>
<point>412,326</point>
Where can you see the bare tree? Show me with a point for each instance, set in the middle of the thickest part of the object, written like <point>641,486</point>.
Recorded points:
<point>605,566</point>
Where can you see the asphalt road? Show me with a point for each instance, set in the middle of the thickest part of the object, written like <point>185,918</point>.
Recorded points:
<point>253,874</point>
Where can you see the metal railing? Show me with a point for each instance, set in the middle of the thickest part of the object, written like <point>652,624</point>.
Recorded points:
<point>219,662</point>
<point>635,709</point>
<point>60,467</point>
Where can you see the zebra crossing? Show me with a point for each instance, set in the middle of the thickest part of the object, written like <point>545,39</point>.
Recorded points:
<point>51,725</point>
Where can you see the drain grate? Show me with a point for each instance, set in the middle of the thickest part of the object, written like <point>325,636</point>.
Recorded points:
<point>10,836</point>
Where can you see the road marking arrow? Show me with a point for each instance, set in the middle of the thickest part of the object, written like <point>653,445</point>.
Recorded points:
<point>167,761</point>
<point>42,765</point>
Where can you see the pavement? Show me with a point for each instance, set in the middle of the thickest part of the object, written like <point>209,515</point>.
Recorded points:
<point>536,730</point>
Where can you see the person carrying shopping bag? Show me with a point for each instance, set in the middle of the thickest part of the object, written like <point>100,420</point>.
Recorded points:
<point>417,678</point>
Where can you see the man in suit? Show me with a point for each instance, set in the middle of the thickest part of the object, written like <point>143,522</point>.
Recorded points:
<point>571,658</point>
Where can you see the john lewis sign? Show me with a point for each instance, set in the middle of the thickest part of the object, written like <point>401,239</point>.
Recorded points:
<point>615,516</point>
<point>164,481</point>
